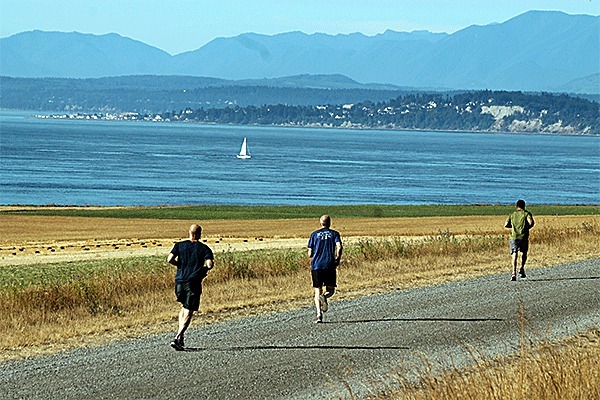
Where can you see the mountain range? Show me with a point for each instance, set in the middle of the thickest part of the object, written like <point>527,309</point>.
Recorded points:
<point>535,51</point>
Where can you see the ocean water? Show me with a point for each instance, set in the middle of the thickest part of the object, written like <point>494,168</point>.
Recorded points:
<point>137,163</point>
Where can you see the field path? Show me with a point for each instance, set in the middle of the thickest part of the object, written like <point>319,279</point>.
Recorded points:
<point>286,356</point>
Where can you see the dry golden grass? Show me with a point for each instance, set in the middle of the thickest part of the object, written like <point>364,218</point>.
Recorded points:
<point>22,229</point>
<point>31,239</point>
<point>566,370</point>
<point>45,239</point>
<point>134,301</point>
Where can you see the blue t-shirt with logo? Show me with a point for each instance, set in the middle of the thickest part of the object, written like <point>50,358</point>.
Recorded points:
<point>322,243</point>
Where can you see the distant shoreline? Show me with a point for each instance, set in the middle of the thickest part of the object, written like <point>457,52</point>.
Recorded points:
<point>128,117</point>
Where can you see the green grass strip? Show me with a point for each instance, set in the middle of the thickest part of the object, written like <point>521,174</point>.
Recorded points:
<point>212,212</point>
<point>60,273</point>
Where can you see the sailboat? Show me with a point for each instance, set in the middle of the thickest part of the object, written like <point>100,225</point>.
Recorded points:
<point>244,151</point>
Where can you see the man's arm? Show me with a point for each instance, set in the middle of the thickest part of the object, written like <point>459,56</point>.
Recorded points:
<point>172,259</point>
<point>338,252</point>
<point>310,246</point>
<point>530,220</point>
<point>210,263</point>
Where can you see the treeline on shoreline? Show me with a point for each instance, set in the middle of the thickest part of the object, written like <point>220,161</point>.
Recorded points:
<point>482,111</point>
<point>214,212</point>
<point>211,101</point>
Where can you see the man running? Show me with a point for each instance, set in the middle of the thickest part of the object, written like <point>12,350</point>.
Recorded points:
<point>520,221</point>
<point>190,257</point>
<point>325,251</point>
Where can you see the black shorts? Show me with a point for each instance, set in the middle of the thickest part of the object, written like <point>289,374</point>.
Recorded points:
<point>519,246</point>
<point>188,294</point>
<point>323,277</point>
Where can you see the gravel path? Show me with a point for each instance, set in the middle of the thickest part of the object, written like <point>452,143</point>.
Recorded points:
<point>287,356</point>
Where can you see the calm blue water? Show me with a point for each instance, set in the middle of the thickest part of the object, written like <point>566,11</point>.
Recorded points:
<point>120,163</point>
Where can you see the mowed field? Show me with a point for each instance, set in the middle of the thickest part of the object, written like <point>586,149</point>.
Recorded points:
<point>30,239</point>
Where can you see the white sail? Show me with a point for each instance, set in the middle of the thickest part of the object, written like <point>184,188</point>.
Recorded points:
<point>244,151</point>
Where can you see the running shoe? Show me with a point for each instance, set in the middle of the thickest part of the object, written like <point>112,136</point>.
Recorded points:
<point>177,344</point>
<point>323,302</point>
<point>513,278</point>
<point>522,274</point>
<point>319,319</point>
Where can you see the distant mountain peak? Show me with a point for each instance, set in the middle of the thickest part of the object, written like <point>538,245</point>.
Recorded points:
<point>534,51</point>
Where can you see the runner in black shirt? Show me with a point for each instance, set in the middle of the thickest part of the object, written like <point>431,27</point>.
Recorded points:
<point>193,260</point>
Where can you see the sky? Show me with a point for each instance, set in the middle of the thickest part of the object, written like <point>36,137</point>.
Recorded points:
<point>176,26</point>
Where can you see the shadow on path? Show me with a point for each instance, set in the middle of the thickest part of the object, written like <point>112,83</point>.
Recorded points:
<point>315,347</point>
<point>360,321</point>
<point>574,278</point>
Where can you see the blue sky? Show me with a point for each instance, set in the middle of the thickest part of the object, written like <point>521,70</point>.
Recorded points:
<point>182,25</point>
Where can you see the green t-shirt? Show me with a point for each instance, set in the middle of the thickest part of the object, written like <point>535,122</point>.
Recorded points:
<point>519,225</point>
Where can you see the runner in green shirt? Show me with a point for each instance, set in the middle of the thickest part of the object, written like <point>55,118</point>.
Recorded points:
<point>519,222</point>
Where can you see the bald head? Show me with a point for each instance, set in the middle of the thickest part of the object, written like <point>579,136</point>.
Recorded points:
<point>195,231</point>
<point>325,221</point>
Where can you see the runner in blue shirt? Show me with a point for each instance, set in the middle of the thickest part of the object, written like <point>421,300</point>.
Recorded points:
<point>325,251</point>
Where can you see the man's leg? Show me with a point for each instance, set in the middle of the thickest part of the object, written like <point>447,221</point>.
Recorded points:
<point>523,261</point>
<point>318,297</point>
<point>524,251</point>
<point>318,292</point>
<point>515,257</point>
<point>330,282</point>
<point>185,317</point>
<point>329,291</point>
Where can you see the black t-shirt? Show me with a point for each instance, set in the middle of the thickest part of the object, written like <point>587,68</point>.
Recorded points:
<point>192,256</point>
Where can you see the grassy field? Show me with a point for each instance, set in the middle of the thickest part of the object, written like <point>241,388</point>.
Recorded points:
<point>203,213</point>
<point>50,306</point>
<point>566,370</point>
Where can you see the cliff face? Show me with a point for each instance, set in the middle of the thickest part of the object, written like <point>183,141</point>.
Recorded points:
<point>525,122</point>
